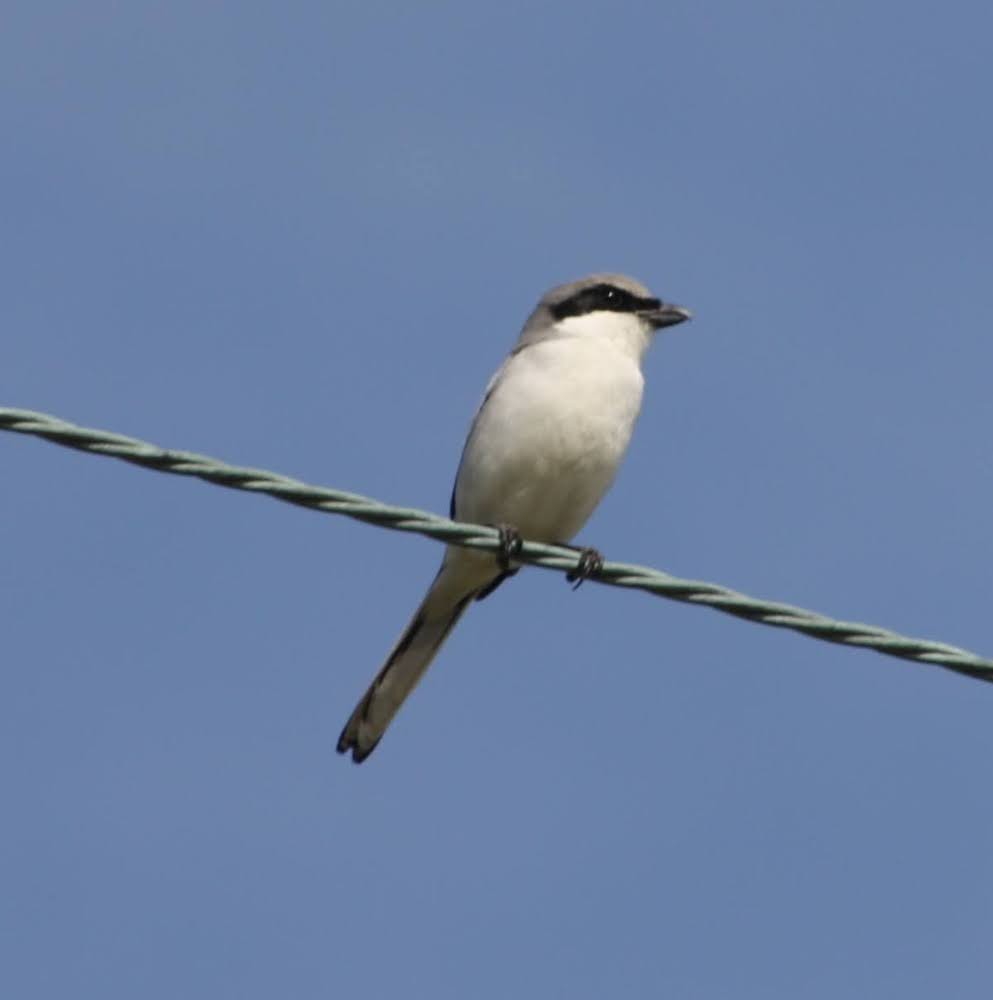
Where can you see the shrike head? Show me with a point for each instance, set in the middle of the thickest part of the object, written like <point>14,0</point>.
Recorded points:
<point>607,306</point>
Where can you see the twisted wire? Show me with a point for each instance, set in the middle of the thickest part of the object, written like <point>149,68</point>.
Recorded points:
<point>331,501</point>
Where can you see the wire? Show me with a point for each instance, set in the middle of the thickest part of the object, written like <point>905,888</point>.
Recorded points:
<point>330,501</point>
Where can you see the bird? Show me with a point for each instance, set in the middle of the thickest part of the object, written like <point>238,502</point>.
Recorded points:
<point>543,449</point>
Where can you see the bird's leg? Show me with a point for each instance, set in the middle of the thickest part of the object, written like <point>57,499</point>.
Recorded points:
<point>589,565</point>
<point>510,545</point>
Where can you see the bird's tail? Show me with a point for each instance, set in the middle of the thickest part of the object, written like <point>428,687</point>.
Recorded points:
<point>444,605</point>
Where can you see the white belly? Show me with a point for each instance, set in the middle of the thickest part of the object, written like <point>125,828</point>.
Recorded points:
<point>548,442</point>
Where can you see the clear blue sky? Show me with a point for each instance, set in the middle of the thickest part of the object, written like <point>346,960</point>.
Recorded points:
<point>301,237</point>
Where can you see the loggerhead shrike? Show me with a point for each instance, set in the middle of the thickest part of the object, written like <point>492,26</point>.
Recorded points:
<point>543,449</point>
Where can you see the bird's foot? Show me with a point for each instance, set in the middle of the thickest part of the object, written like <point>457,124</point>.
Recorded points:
<point>510,545</point>
<point>589,566</point>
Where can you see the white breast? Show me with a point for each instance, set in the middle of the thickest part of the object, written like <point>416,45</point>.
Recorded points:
<point>550,437</point>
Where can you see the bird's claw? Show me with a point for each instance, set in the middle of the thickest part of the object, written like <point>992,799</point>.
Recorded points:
<point>590,564</point>
<point>510,545</point>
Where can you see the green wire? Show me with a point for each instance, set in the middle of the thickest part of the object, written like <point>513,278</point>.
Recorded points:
<point>476,536</point>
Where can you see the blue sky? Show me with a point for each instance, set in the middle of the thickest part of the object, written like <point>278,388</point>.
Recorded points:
<point>301,237</point>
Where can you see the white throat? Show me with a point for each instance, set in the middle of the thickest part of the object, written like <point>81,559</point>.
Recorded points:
<point>626,331</point>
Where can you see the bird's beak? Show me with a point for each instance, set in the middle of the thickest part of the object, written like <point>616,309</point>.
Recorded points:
<point>665,314</point>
